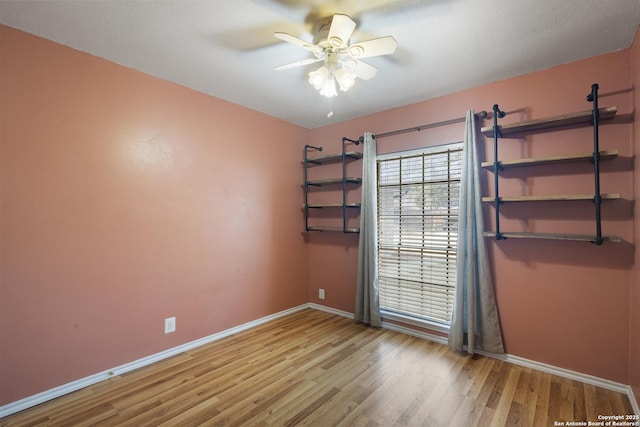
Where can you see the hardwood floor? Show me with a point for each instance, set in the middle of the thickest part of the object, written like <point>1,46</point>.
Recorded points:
<point>314,368</point>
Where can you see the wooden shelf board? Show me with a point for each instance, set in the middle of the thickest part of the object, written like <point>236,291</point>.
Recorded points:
<point>559,197</point>
<point>533,161</point>
<point>331,181</point>
<point>331,158</point>
<point>331,205</point>
<point>582,117</point>
<point>552,236</point>
<point>327,228</point>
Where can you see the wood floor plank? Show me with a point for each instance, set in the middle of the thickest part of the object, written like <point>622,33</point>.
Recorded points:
<point>591,402</point>
<point>579,403</point>
<point>527,392</point>
<point>314,368</point>
<point>482,372</point>
<point>541,413</point>
<point>506,397</point>
<point>296,405</point>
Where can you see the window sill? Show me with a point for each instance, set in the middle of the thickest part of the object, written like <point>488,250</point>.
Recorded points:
<point>432,326</point>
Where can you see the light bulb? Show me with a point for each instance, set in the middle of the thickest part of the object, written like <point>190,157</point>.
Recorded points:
<point>323,81</point>
<point>345,79</point>
<point>329,87</point>
<point>319,77</point>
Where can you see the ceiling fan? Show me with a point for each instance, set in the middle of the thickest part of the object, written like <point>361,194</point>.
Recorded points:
<point>341,60</point>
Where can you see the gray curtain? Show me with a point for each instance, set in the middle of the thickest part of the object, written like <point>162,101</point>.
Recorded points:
<point>367,302</point>
<point>475,320</point>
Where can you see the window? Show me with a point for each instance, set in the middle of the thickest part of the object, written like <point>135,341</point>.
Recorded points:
<point>417,232</point>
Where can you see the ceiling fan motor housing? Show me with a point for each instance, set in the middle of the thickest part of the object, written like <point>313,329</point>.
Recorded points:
<point>320,33</point>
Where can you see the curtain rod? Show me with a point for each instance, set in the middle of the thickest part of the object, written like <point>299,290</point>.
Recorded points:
<point>480,114</point>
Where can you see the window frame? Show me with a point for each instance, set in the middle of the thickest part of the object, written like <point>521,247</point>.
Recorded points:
<point>432,324</point>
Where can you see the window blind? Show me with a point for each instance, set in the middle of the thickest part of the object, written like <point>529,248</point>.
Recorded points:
<point>418,196</point>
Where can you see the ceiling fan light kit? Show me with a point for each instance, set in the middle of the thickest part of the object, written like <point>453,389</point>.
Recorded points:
<point>324,78</point>
<point>341,61</point>
<point>325,81</point>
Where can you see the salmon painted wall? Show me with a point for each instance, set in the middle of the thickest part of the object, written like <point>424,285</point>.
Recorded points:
<point>125,200</point>
<point>634,300</point>
<point>561,303</point>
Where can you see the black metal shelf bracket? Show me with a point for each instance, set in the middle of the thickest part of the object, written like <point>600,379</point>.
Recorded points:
<point>597,198</point>
<point>307,148</point>
<point>497,114</point>
<point>344,180</point>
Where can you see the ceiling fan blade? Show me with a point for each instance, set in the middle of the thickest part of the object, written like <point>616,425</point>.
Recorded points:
<point>298,42</point>
<point>298,63</point>
<point>341,29</point>
<point>362,69</point>
<point>374,47</point>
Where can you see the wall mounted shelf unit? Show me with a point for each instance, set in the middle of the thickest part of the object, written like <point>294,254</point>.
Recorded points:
<point>345,181</point>
<point>517,130</point>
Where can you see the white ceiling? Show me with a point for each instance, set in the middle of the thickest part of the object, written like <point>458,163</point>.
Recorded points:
<point>226,48</point>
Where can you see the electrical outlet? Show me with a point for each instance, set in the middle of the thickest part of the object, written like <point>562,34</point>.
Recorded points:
<point>321,293</point>
<point>169,325</point>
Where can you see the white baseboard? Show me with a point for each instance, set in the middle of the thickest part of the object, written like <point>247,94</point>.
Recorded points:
<point>53,393</point>
<point>330,310</point>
